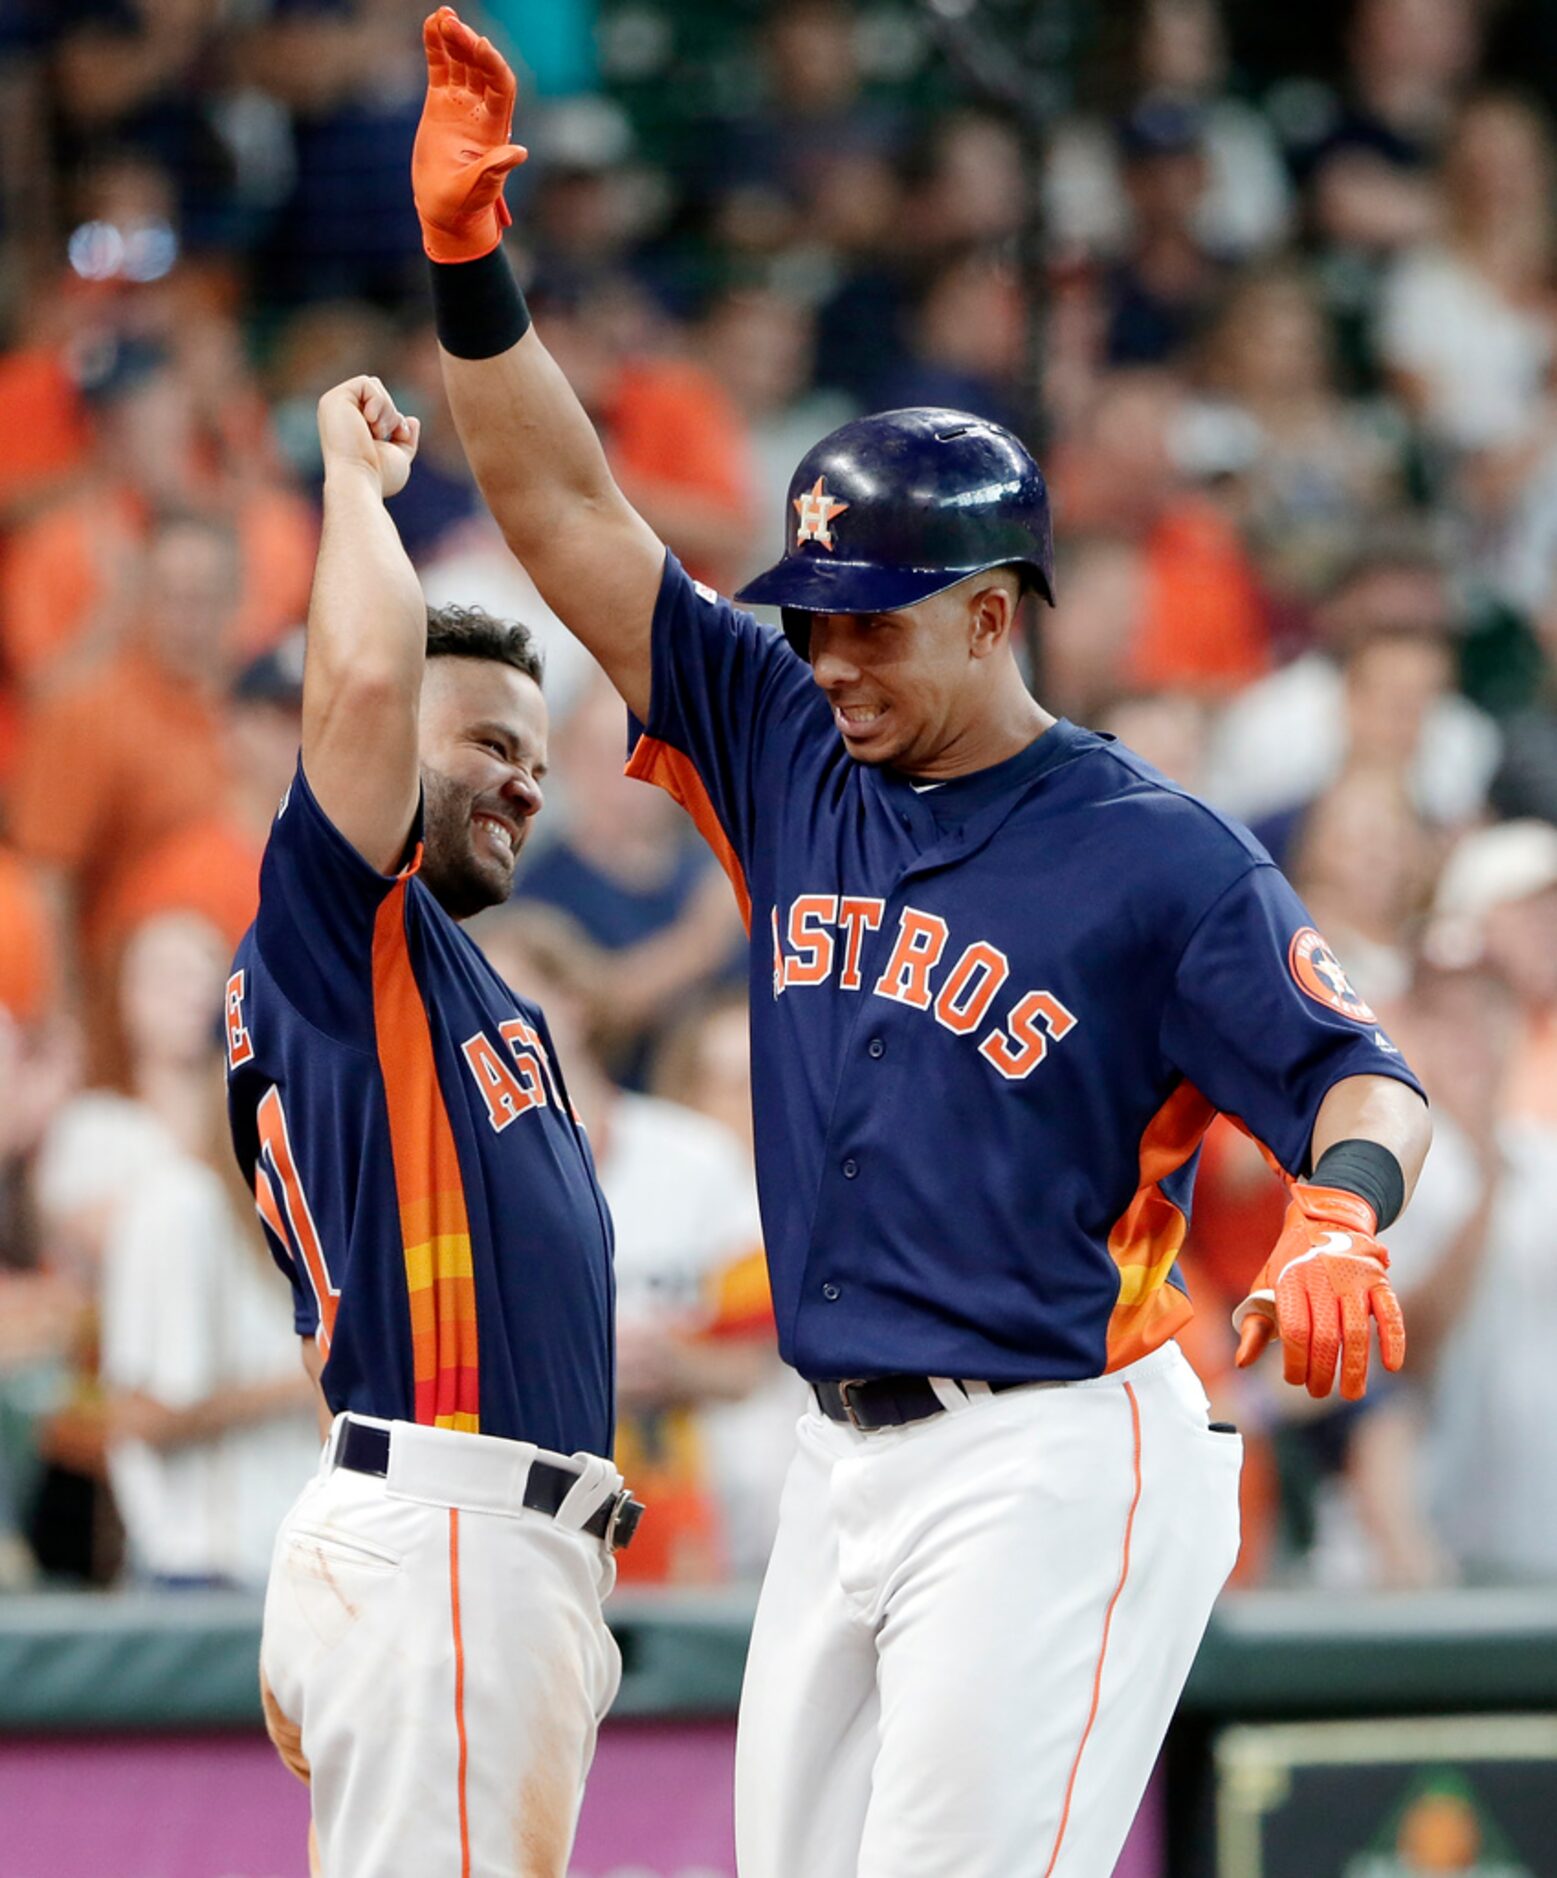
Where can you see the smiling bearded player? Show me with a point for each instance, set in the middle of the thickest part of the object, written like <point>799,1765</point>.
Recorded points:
<point>1003,976</point>
<point>403,1123</point>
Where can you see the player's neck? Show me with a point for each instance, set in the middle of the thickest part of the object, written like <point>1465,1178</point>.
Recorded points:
<point>1015,721</point>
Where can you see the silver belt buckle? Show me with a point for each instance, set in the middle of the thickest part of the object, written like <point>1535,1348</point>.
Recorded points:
<point>626,1512</point>
<point>854,1382</point>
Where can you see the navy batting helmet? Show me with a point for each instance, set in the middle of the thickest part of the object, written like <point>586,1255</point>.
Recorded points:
<point>891,509</point>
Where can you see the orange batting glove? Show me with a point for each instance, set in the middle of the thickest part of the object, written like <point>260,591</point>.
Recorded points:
<point>1317,1291</point>
<point>462,150</point>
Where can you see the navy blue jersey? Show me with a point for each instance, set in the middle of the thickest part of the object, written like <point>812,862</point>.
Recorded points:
<point>403,1122</point>
<point>991,1021</point>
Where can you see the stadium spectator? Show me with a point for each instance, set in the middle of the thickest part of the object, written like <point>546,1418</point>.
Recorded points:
<point>1177,50</point>
<point>1379,681</point>
<point>211,1424</point>
<point>1483,1240</point>
<point>152,76</point>
<point>1088,643</point>
<point>1162,288</point>
<point>1124,470</point>
<point>140,733</point>
<point>1368,166</point>
<point>774,162</point>
<point>761,346</point>
<point>676,440</point>
<point>1363,861</point>
<point>964,342</point>
<point>187,433</point>
<point>655,916</point>
<point>210,866</point>
<point>1317,464</point>
<point>351,76</point>
<point>704,1064</point>
<point>693,1325</point>
<point>441,497</point>
<point>1468,327</point>
<point>1168,728</point>
<point>585,210</point>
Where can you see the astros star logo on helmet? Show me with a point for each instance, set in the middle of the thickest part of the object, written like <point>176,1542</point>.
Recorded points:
<point>816,509</point>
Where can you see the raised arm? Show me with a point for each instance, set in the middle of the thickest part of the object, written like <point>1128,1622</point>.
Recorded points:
<point>367,630</point>
<point>534,451</point>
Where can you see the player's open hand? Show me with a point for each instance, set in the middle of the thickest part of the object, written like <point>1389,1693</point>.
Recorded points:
<point>462,152</point>
<point>1318,1291</point>
<point>359,425</point>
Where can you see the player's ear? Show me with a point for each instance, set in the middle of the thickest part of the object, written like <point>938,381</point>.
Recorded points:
<point>992,611</point>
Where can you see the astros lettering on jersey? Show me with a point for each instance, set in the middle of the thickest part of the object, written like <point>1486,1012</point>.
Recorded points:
<point>983,1070</point>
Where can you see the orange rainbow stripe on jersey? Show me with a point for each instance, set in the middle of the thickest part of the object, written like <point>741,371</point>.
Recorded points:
<point>655,762</point>
<point>434,1225</point>
<point>1150,1233</point>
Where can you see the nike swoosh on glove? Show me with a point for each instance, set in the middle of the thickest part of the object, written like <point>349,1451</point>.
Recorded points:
<point>1327,1276</point>
<point>462,153</point>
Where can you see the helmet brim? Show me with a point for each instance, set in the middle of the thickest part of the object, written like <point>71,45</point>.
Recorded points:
<point>826,586</point>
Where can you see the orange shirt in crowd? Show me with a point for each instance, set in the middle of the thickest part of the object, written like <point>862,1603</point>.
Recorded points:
<point>45,427</point>
<point>1203,627</point>
<point>210,867</point>
<point>111,765</point>
<point>26,941</point>
<point>56,572</point>
<point>662,1453</point>
<point>672,424</point>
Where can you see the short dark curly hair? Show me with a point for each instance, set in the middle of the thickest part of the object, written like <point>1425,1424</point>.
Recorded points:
<point>470,632</point>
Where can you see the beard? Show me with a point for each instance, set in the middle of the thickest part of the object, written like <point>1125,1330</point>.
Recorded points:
<point>462,881</point>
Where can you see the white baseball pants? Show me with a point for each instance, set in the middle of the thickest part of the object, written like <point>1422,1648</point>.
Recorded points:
<point>434,1659</point>
<point>974,1629</point>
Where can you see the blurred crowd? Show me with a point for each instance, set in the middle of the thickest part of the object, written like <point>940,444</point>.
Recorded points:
<point>1288,350</point>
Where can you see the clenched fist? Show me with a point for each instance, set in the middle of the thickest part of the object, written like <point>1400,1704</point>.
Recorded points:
<point>359,425</point>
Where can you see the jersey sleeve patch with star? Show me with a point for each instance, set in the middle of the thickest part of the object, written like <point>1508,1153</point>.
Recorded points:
<point>1264,1020</point>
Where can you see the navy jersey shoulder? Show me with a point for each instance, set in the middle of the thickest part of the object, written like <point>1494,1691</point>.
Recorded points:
<point>404,1124</point>
<point>991,1021</point>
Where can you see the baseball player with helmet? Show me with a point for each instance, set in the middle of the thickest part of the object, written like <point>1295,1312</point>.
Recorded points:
<point>434,1660</point>
<point>1003,975</point>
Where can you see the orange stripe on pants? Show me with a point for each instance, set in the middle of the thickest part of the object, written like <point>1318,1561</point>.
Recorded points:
<point>459,1684</point>
<point>1108,1618</point>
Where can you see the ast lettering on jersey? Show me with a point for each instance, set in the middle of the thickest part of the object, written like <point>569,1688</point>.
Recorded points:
<point>961,1001</point>
<point>510,1092</point>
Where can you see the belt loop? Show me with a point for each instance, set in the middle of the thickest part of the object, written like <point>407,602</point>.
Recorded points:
<point>597,1481</point>
<point>332,1443</point>
<point>951,1394</point>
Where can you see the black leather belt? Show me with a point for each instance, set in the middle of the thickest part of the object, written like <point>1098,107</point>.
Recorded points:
<point>364,1448</point>
<point>872,1402</point>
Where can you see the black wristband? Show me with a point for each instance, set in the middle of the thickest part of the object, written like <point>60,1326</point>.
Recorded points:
<point>1367,1169</point>
<point>477,306</point>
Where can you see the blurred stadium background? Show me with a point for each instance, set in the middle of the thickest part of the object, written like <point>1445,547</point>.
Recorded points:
<point>1274,294</point>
